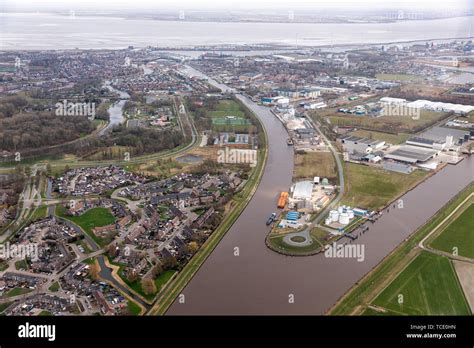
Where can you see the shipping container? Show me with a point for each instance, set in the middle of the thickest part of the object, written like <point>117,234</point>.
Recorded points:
<point>282,200</point>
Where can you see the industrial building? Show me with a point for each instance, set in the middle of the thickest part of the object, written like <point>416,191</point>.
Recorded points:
<point>441,107</point>
<point>429,105</point>
<point>429,143</point>
<point>352,143</point>
<point>452,137</point>
<point>398,167</point>
<point>299,93</point>
<point>411,154</point>
<point>303,190</point>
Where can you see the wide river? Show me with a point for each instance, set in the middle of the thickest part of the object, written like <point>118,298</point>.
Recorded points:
<point>259,281</point>
<point>23,31</point>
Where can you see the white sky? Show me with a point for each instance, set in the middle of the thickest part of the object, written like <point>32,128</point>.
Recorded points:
<point>232,4</point>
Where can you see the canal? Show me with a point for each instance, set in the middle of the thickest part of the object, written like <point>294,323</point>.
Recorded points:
<point>260,281</point>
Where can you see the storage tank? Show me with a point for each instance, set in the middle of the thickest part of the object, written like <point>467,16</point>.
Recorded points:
<point>344,219</point>
<point>334,215</point>
<point>328,221</point>
<point>340,210</point>
<point>350,212</point>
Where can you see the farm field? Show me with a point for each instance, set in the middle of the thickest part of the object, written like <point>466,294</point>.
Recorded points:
<point>373,188</point>
<point>429,286</point>
<point>396,124</point>
<point>387,137</point>
<point>311,164</point>
<point>458,234</point>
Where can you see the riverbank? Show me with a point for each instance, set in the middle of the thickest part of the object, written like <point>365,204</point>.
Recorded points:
<point>357,297</point>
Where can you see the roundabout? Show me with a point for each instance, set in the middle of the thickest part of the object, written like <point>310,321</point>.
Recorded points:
<point>298,239</point>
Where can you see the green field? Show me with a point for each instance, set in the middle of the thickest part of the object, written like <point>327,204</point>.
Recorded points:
<point>163,278</point>
<point>373,188</point>
<point>54,287</point>
<point>387,137</point>
<point>4,306</point>
<point>18,291</point>
<point>220,122</point>
<point>459,233</point>
<point>311,164</point>
<point>133,308</point>
<point>393,124</point>
<point>227,108</point>
<point>3,266</point>
<point>429,287</point>
<point>318,236</point>
<point>40,213</point>
<point>95,217</point>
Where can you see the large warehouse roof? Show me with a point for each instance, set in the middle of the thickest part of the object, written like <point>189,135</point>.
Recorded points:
<point>409,154</point>
<point>303,190</point>
<point>359,140</point>
<point>438,134</point>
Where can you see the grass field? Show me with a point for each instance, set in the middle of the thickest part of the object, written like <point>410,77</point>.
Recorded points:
<point>373,188</point>
<point>54,287</point>
<point>3,266</point>
<point>40,213</point>
<point>227,108</point>
<point>4,306</point>
<point>398,124</point>
<point>459,233</point>
<point>133,308</point>
<point>18,291</point>
<point>241,124</point>
<point>95,217</point>
<point>318,236</point>
<point>387,137</point>
<point>429,286</point>
<point>313,164</point>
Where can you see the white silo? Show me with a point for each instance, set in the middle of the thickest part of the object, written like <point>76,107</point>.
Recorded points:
<point>344,219</point>
<point>334,215</point>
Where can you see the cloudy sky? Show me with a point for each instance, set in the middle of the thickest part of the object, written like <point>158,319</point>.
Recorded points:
<point>232,4</point>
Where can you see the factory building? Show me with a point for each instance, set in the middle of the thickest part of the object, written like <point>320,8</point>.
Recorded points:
<point>411,154</point>
<point>303,190</point>
<point>429,105</point>
<point>352,143</point>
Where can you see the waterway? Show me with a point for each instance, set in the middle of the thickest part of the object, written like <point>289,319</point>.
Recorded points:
<point>115,110</point>
<point>25,31</point>
<point>259,281</point>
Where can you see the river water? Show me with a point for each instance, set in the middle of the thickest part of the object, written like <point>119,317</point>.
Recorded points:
<point>22,31</point>
<point>115,110</point>
<point>259,281</point>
